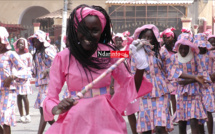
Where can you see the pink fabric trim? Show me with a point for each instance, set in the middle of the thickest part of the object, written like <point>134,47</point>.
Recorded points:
<point>41,36</point>
<point>183,30</point>
<point>89,11</point>
<point>185,42</point>
<point>210,36</point>
<point>149,26</point>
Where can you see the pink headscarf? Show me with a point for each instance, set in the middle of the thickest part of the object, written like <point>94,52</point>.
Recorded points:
<point>148,26</point>
<point>185,39</point>
<point>183,30</point>
<point>120,35</point>
<point>89,11</point>
<point>200,40</point>
<point>26,45</point>
<point>41,36</point>
<point>168,32</point>
<point>4,37</point>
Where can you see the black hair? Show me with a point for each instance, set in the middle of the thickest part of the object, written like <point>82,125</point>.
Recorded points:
<point>88,62</point>
<point>156,49</point>
<point>42,51</point>
<point>174,41</point>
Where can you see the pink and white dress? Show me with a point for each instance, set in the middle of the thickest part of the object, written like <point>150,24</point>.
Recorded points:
<point>42,62</point>
<point>25,88</point>
<point>189,101</point>
<point>8,61</point>
<point>97,112</point>
<point>154,107</point>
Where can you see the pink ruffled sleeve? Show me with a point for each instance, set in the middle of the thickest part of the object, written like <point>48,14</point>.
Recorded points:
<point>126,92</point>
<point>57,79</point>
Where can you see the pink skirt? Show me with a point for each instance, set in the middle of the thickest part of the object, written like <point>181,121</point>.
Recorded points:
<point>189,107</point>
<point>24,90</point>
<point>154,112</point>
<point>7,107</point>
<point>90,116</point>
<point>209,101</point>
<point>42,93</point>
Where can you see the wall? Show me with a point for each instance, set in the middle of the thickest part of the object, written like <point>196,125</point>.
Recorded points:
<point>205,10</point>
<point>11,11</point>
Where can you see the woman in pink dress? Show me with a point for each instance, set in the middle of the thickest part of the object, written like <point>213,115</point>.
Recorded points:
<point>21,47</point>
<point>122,42</point>
<point>89,31</point>
<point>207,59</point>
<point>154,114</point>
<point>42,60</point>
<point>190,109</point>
<point>9,60</point>
<point>169,38</point>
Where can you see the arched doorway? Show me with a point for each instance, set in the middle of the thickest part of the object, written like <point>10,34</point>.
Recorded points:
<point>28,17</point>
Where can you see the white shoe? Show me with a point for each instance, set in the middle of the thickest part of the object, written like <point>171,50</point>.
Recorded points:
<point>27,118</point>
<point>22,119</point>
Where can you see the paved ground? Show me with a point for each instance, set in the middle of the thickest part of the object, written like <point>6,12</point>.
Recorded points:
<point>31,128</point>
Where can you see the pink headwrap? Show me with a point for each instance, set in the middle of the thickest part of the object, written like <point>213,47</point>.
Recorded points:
<point>89,11</point>
<point>185,39</point>
<point>4,37</point>
<point>183,30</point>
<point>148,26</point>
<point>124,43</point>
<point>26,45</point>
<point>168,32</point>
<point>41,36</point>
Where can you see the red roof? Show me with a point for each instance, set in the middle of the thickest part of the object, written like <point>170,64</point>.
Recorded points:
<point>12,27</point>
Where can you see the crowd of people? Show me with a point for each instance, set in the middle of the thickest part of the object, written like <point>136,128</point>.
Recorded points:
<point>167,82</point>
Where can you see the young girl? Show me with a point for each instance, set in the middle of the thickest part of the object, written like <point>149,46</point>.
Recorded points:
<point>211,39</point>
<point>154,115</point>
<point>8,61</point>
<point>149,117</point>
<point>121,41</point>
<point>169,38</point>
<point>190,109</point>
<point>42,59</point>
<point>88,31</point>
<point>207,59</point>
<point>21,48</point>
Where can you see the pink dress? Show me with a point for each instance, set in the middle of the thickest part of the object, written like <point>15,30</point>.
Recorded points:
<point>8,61</point>
<point>154,107</point>
<point>189,101</point>
<point>42,64</point>
<point>97,112</point>
<point>208,94</point>
<point>170,54</point>
<point>25,88</point>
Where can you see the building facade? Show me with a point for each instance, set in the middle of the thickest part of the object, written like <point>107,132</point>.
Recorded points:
<point>125,14</point>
